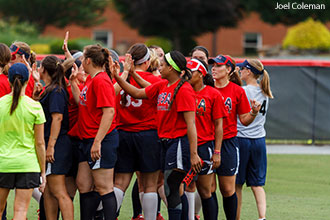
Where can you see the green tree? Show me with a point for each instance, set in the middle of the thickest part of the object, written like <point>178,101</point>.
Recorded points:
<point>269,14</point>
<point>55,12</point>
<point>179,21</point>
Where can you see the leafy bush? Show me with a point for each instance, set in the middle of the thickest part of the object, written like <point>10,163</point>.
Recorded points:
<point>40,48</point>
<point>308,35</point>
<point>160,41</point>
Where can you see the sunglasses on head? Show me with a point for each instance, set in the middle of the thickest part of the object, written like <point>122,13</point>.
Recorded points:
<point>16,50</point>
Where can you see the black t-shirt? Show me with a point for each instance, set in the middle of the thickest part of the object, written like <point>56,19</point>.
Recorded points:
<point>55,101</point>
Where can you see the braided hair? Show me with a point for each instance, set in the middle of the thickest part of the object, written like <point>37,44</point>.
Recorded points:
<point>181,62</point>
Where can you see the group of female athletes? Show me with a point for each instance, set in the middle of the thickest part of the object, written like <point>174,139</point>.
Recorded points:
<point>91,123</point>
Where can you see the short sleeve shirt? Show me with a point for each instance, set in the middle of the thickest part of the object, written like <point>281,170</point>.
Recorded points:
<point>236,103</point>
<point>17,141</point>
<point>98,93</point>
<point>170,122</point>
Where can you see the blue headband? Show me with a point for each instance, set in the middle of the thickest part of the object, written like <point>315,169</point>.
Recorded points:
<point>250,67</point>
<point>16,50</point>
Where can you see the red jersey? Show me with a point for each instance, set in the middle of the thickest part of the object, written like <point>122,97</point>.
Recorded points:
<point>236,103</point>
<point>98,93</point>
<point>171,123</point>
<point>138,114</point>
<point>4,85</point>
<point>29,87</point>
<point>210,107</point>
<point>73,110</point>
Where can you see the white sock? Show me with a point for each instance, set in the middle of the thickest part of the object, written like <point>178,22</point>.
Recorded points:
<point>141,197</point>
<point>100,206</point>
<point>149,205</point>
<point>191,202</point>
<point>36,194</point>
<point>198,203</point>
<point>119,196</point>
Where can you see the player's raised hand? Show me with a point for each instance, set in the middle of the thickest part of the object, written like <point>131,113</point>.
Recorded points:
<point>65,42</point>
<point>255,105</point>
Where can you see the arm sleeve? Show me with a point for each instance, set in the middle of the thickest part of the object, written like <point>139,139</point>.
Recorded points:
<point>40,115</point>
<point>152,91</point>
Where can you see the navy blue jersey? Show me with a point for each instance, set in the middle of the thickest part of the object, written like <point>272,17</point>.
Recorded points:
<point>55,101</point>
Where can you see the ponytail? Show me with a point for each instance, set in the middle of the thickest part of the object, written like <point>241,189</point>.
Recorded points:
<point>184,78</point>
<point>234,77</point>
<point>106,54</point>
<point>32,58</point>
<point>17,88</point>
<point>265,85</point>
<point>208,80</point>
<point>55,70</point>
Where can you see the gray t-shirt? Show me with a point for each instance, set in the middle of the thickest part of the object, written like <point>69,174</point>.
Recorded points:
<point>256,128</point>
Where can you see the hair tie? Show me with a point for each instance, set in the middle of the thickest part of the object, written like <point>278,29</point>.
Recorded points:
<point>57,64</point>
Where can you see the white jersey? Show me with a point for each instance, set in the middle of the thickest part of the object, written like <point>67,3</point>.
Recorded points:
<point>256,128</point>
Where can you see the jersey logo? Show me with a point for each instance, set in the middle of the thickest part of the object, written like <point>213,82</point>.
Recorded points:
<point>83,96</point>
<point>228,104</point>
<point>163,101</point>
<point>201,108</point>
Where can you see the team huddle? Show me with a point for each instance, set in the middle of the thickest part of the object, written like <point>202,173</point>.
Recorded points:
<point>90,122</point>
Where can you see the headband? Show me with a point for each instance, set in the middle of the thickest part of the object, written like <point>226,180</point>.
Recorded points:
<point>77,55</point>
<point>250,67</point>
<point>195,64</point>
<point>143,59</point>
<point>16,50</point>
<point>171,62</point>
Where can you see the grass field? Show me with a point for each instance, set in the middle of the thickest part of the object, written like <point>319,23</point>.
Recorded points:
<point>297,187</point>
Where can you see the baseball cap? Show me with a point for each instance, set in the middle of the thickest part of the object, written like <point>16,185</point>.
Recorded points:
<point>254,70</point>
<point>18,69</point>
<point>222,60</point>
<point>195,64</point>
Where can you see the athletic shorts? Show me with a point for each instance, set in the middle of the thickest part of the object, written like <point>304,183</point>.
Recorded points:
<point>62,156</point>
<point>205,152</point>
<point>138,151</point>
<point>175,154</point>
<point>19,180</point>
<point>229,158</point>
<point>75,157</point>
<point>253,162</point>
<point>108,157</point>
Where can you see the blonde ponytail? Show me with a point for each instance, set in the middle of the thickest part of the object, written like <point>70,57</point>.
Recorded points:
<point>265,82</point>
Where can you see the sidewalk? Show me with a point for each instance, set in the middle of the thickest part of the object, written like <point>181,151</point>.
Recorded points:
<point>298,149</point>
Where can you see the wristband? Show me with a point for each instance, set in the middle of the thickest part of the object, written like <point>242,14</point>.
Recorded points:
<point>217,152</point>
<point>253,114</point>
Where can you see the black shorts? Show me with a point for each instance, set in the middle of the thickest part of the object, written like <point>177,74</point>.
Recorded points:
<point>176,154</point>
<point>19,180</point>
<point>62,156</point>
<point>75,157</point>
<point>229,158</point>
<point>108,157</point>
<point>205,152</point>
<point>138,151</point>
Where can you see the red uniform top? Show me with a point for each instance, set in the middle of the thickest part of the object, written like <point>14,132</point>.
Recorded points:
<point>4,85</point>
<point>97,94</point>
<point>210,107</point>
<point>171,123</point>
<point>29,87</point>
<point>138,114</point>
<point>73,111</point>
<point>236,104</point>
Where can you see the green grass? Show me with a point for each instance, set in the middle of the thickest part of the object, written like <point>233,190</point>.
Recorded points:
<point>297,187</point>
